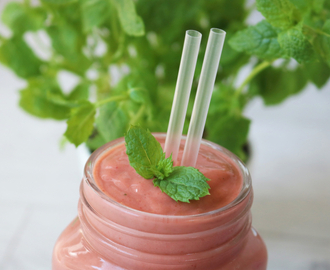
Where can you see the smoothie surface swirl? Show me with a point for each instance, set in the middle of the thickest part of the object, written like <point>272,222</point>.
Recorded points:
<point>119,181</point>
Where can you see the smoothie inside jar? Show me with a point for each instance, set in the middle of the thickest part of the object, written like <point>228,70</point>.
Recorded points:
<point>119,181</point>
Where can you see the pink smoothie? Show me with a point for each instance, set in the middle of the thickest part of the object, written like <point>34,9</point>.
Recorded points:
<point>125,223</point>
<point>118,180</point>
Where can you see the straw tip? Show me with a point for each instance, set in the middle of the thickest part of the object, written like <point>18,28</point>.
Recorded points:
<point>193,33</point>
<point>218,31</point>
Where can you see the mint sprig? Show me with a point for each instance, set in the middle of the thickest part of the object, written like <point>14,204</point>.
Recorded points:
<point>184,184</point>
<point>146,156</point>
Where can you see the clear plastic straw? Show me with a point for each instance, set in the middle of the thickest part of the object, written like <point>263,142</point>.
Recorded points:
<point>182,92</point>
<point>203,97</point>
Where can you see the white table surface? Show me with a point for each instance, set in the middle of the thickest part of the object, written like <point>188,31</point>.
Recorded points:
<point>290,170</point>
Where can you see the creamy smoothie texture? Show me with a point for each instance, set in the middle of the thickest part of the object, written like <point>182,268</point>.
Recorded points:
<point>118,180</point>
<point>108,237</point>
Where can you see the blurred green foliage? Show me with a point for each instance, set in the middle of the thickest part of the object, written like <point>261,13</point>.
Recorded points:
<point>144,40</point>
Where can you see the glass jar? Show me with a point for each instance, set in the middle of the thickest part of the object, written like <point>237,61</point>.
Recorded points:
<point>109,236</point>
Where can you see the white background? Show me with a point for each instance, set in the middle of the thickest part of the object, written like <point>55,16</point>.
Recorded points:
<point>290,170</point>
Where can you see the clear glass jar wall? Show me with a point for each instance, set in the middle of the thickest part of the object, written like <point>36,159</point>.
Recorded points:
<point>109,236</point>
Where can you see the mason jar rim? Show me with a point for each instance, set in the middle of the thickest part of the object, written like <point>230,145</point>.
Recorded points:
<point>245,190</point>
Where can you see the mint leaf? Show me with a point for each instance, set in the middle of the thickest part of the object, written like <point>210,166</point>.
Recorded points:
<point>21,19</point>
<point>80,124</point>
<point>68,42</point>
<point>112,121</point>
<point>231,132</point>
<point>318,5</point>
<point>64,40</point>
<point>15,54</point>
<point>295,45</point>
<point>224,101</point>
<point>143,150</point>
<point>95,141</point>
<point>309,5</point>
<point>302,5</point>
<point>172,12</point>
<point>322,42</point>
<point>231,59</point>
<point>59,2</point>
<point>279,13</point>
<point>94,13</point>
<point>129,20</point>
<point>138,95</point>
<point>165,167</point>
<point>259,40</point>
<point>60,99</point>
<point>275,84</point>
<point>146,156</point>
<point>318,73</point>
<point>184,184</point>
<point>35,99</point>
<point>80,92</point>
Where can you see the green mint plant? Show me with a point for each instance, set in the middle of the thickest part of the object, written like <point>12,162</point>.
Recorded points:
<point>146,156</point>
<point>143,41</point>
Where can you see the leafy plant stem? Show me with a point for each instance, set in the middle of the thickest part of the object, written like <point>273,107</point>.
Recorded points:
<point>114,25</point>
<point>253,73</point>
<point>120,50</point>
<point>317,31</point>
<point>137,115</point>
<point>115,98</point>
